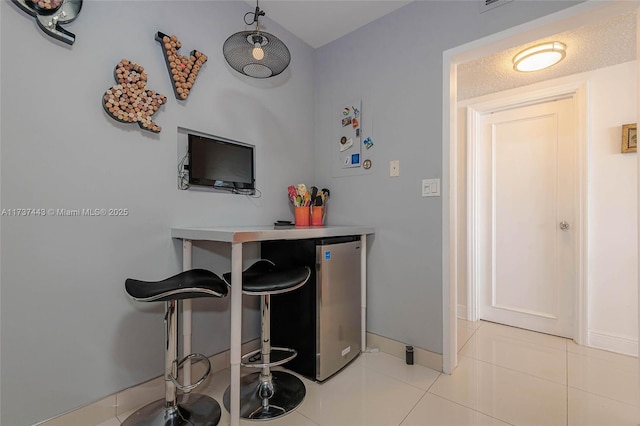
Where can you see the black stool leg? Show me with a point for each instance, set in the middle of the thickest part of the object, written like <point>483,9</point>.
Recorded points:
<point>194,409</point>
<point>267,394</point>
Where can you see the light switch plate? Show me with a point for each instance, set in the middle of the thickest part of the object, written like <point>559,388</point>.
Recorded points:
<point>394,168</point>
<point>430,187</point>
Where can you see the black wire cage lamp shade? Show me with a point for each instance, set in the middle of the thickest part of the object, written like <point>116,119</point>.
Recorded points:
<point>256,53</point>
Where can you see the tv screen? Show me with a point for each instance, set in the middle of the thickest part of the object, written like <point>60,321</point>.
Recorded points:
<point>220,163</point>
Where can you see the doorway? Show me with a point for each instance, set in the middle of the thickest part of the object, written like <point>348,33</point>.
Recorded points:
<point>534,30</point>
<point>523,206</point>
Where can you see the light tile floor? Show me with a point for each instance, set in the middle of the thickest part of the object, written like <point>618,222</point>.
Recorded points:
<point>505,376</point>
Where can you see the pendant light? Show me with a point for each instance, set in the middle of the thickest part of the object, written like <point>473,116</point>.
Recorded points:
<point>540,56</point>
<point>256,53</point>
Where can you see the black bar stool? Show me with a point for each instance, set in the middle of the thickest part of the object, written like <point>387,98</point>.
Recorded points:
<point>268,394</point>
<point>194,409</point>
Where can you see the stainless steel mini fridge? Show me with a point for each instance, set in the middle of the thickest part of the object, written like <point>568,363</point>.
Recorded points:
<point>321,320</point>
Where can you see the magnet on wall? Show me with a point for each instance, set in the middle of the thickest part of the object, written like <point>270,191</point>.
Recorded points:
<point>345,143</point>
<point>355,159</point>
<point>355,123</point>
<point>356,111</point>
<point>347,160</point>
<point>366,164</point>
<point>368,143</point>
<point>346,121</point>
<point>357,133</point>
<point>346,111</point>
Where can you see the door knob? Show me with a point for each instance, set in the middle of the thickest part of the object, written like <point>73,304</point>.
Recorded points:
<point>564,225</point>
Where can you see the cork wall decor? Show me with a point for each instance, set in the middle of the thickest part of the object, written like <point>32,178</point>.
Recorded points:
<point>131,101</point>
<point>183,70</point>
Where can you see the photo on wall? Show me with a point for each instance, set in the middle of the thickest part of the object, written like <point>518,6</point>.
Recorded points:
<point>630,137</point>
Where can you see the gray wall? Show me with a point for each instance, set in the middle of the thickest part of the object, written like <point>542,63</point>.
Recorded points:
<point>70,335</point>
<point>395,66</point>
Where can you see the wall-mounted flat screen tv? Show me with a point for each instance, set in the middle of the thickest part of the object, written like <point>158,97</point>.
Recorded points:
<point>221,163</point>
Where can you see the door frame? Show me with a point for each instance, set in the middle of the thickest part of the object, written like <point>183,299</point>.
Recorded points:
<point>572,17</point>
<point>507,100</point>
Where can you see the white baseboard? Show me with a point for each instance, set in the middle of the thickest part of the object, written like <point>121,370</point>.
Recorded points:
<point>462,312</point>
<point>421,356</point>
<point>612,343</point>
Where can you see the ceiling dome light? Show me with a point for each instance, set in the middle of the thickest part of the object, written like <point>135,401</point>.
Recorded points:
<point>539,57</point>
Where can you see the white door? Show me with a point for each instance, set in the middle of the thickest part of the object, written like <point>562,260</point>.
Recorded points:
<point>526,181</point>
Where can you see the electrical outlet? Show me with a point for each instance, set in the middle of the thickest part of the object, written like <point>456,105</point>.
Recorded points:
<point>394,168</point>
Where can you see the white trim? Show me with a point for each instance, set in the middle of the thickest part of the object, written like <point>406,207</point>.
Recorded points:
<point>613,343</point>
<point>572,17</point>
<point>449,219</point>
<point>472,216</point>
<point>582,171</point>
<point>462,312</point>
<point>638,157</point>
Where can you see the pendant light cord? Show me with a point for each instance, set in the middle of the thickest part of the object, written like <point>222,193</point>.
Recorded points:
<point>256,15</point>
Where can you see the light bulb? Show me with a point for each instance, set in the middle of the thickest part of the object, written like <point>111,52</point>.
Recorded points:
<point>258,53</point>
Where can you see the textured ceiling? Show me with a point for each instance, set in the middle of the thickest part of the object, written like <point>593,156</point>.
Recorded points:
<point>610,42</point>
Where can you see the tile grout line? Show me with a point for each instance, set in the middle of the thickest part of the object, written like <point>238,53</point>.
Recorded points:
<point>589,392</point>
<point>515,371</point>
<point>520,340</point>
<point>402,381</point>
<point>609,355</point>
<point>608,398</point>
<point>308,418</point>
<point>414,407</point>
<point>455,402</point>
<point>526,339</point>
<point>434,382</point>
<point>474,330</point>
<point>472,409</point>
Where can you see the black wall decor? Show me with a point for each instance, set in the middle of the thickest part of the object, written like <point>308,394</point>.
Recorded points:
<point>50,14</point>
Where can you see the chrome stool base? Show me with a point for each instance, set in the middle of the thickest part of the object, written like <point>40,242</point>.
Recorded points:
<point>196,410</point>
<point>288,393</point>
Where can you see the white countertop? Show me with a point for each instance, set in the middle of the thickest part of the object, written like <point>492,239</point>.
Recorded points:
<point>242,234</point>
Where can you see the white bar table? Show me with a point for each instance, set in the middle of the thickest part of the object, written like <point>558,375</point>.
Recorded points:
<point>236,236</point>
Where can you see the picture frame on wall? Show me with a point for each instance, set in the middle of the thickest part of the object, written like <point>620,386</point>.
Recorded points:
<point>630,137</point>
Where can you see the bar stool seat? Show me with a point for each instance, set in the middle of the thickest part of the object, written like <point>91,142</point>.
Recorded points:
<point>185,285</point>
<point>193,409</point>
<point>268,394</point>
